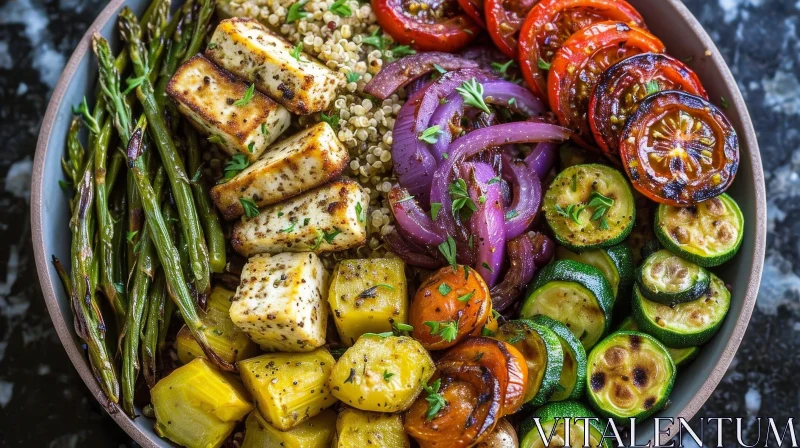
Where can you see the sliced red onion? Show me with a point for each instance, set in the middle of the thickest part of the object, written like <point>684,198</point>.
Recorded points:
<point>401,248</point>
<point>413,163</point>
<point>542,158</point>
<point>480,140</point>
<point>401,72</point>
<point>487,223</point>
<point>415,224</point>
<point>527,196</point>
<point>543,248</point>
<point>417,85</point>
<point>521,268</point>
<point>499,93</point>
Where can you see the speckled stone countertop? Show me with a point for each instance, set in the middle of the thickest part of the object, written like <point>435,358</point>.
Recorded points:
<point>43,401</point>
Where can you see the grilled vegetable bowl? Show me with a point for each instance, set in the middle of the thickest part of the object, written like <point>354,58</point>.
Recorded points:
<point>335,223</point>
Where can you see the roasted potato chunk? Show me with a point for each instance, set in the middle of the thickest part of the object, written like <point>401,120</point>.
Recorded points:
<point>360,429</point>
<point>316,432</point>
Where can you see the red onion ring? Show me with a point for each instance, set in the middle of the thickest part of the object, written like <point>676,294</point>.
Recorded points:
<point>411,219</point>
<point>400,247</point>
<point>527,196</point>
<point>542,158</point>
<point>487,223</point>
<point>520,272</point>
<point>403,71</point>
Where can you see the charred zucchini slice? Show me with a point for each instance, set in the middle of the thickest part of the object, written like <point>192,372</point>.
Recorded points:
<point>615,262</point>
<point>630,376</point>
<point>589,206</point>
<point>543,353</point>
<point>686,324</point>
<point>709,233</point>
<point>575,294</point>
<point>572,380</point>
<point>680,356</point>
<point>669,279</point>
<point>551,418</point>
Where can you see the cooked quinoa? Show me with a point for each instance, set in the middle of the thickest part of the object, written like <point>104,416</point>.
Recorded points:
<point>365,123</point>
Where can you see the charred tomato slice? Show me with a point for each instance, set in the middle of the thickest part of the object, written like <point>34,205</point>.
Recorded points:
<point>503,21</point>
<point>623,85</point>
<point>474,9</point>
<point>678,149</point>
<point>580,62</point>
<point>427,25</point>
<point>551,22</point>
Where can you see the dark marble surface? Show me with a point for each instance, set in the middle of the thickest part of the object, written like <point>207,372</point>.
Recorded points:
<point>44,403</point>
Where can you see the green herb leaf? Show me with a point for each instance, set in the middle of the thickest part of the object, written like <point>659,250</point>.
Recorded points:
<point>264,130</point>
<point>235,165</point>
<point>291,227</point>
<point>83,110</point>
<point>131,235</point>
<point>512,101</point>
<point>439,69</point>
<point>601,205</point>
<point>251,147</point>
<point>512,214</point>
<point>306,221</point>
<point>472,92</point>
<point>376,39</point>
<point>651,87</point>
<point>443,100</point>
<point>216,139</point>
<point>402,50</point>
<point>379,335</point>
<point>248,96</point>
<point>250,207</point>
<point>361,214</point>
<point>353,77</point>
<point>435,208</point>
<point>494,180</point>
<point>518,336</point>
<point>481,199</point>
<point>329,236</point>
<point>341,9</point>
<point>460,197</point>
<point>211,45</point>
<point>572,211</point>
<point>465,298</point>
<point>372,291</point>
<point>295,12</point>
<point>120,288</point>
<point>445,155</point>
<point>134,83</point>
<point>444,289</point>
<point>502,68</point>
<point>448,249</point>
<point>387,375</point>
<point>544,65</point>
<point>435,401</point>
<point>400,326</point>
<point>430,135</point>
<point>298,49</point>
<point>447,330</point>
<point>407,198</point>
<point>332,120</point>
<point>487,267</point>
<point>723,102</point>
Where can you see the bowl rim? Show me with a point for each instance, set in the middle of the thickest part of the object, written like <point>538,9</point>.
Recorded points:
<point>79,361</point>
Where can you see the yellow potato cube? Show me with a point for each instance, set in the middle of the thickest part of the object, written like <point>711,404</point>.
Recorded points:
<point>359,429</point>
<point>316,432</point>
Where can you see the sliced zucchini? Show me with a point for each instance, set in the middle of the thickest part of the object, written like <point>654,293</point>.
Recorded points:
<point>680,356</point>
<point>554,415</point>
<point>709,233</point>
<point>686,324</point>
<point>669,279</point>
<point>630,375</point>
<point>589,206</point>
<point>575,294</point>
<point>543,353</point>
<point>615,262</point>
<point>572,380</point>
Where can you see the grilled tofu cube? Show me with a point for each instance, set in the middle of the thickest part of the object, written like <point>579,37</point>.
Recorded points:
<point>281,302</point>
<point>316,432</point>
<point>197,405</point>
<point>248,49</point>
<point>360,429</point>
<point>289,388</point>
<point>297,164</point>
<point>326,219</point>
<point>208,95</point>
<point>367,296</point>
<point>224,338</point>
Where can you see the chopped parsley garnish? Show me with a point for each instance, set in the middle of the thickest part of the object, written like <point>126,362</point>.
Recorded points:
<point>353,76</point>
<point>306,221</point>
<point>487,267</point>
<point>572,211</point>
<point>512,101</point>
<point>448,249</point>
<point>120,288</point>
<point>235,165</point>
<point>291,227</point>
<point>435,401</point>
<point>383,335</point>
<point>251,147</point>
<point>487,332</point>
<point>470,243</point>
<point>472,92</point>
<point>402,50</point>
<point>211,45</point>
<point>444,289</point>
<point>436,207</point>
<point>439,69</point>
<point>494,180</point>
<point>297,50</point>
<point>407,198</point>
<point>430,135</point>
<point>248,96</point>
<point>250,207</point>
<point>443,100</point>
<point>460,196</point>
<point>445,155</point>
<point>332,120</point>
<point>387,375</point>
<point>651,87</point>
<point>723,102</point>
<point>512,214</point>
<point>601,205</point>
<point>341,9</point>
<point>544,65</point>
<point>399,326</point>
<point>502,68</point>
<point>376,39</point>
<point>264,129</point>
<point>295,12</point>
<point>326,236</point>
<point>361,214</point>
<point>216,139</point>
<point>465,298</point>
<point>447,330</point>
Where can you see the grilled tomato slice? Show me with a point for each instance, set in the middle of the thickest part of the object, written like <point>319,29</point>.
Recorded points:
<point>504,19</point>
<point>624,84</point>
<point>678,149</point>
<point>551,22</point>
<point>474,9</point>
<point>580,62</point>
<point>427,25</point>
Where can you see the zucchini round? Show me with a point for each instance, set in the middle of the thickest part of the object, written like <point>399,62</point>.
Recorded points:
<point>543,353</point>
<point>589,206</point>
<point>572,380</point>
<point>686,324</point>
<point>680,356</point>
<point>669,279</point>
<point>575,294</point>
<point>615,262</point>
<point>553,415</point>
<point>630,375</point>
<point>709,233</point>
